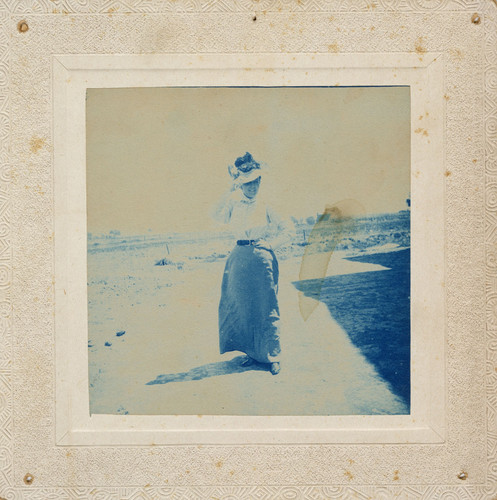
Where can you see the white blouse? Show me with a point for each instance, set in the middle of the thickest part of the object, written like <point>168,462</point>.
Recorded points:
<point>249,218</point>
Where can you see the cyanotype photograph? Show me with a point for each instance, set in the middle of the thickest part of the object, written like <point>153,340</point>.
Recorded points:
<point>248,250</point>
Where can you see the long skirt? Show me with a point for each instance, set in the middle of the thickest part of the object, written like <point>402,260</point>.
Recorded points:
<point>249,316</point>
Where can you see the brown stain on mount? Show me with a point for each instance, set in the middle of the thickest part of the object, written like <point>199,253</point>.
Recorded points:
<point>422,131</point>
<point>457,54</point>
<point>36,143</point>
<point>396,475</point>
<point>333,47</point>
<point>419,47</point>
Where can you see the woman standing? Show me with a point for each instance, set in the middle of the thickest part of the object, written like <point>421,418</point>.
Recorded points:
<point>249,316</point>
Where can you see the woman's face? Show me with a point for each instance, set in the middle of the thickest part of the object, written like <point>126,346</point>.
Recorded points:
<point>250,189</point>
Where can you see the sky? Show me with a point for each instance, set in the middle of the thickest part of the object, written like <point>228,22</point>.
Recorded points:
<point>157,158</point>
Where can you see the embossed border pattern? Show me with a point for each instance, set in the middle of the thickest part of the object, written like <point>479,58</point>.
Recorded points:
<point>5,262</point>
<point>10,8</point>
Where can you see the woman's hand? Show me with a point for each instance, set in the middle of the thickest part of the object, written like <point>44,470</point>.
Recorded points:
<point>261,242</point>
<point>235,185</point>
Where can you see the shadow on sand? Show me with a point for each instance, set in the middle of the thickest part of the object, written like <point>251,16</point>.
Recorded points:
<point>373,308</point>
<point>234,365</point>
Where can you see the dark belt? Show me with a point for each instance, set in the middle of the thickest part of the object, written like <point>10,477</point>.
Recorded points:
<point>246,242</point>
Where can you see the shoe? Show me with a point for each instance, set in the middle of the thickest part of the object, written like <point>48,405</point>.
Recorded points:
<point>247,361</point>
<point>275,368</point>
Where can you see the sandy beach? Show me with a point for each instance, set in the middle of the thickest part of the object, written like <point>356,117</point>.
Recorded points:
<point>167,360</point>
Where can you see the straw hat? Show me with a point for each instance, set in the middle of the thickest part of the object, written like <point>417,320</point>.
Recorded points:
<point>245,169</point>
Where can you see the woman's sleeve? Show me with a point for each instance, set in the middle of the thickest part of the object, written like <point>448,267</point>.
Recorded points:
<point>221,212</point>
<point>280,229</point>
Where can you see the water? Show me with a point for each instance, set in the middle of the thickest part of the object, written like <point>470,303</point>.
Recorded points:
<point>373,308</point>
